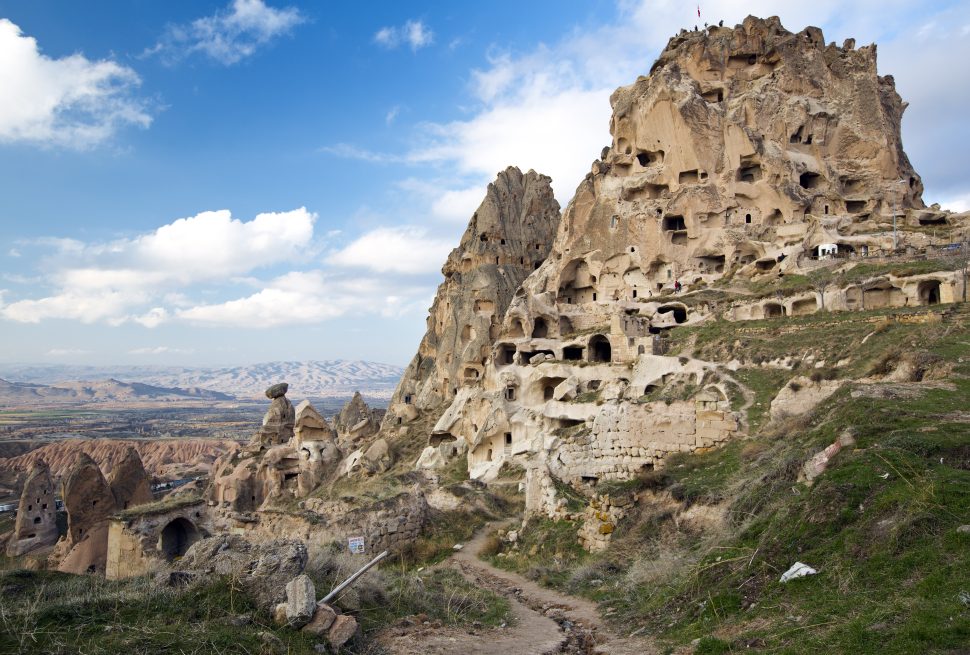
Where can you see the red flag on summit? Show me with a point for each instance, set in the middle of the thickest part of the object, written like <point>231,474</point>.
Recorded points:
<point>698,11</point>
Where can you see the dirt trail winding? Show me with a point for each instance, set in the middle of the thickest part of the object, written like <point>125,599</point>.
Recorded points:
<point>546,621</point>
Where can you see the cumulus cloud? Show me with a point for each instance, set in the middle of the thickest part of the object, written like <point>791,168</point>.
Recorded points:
<point>414,33</point>
<point>70,102</point>
<point>230,35</point>
<point>405,249</point>
<point>311,297</point>
<point>106,282</point>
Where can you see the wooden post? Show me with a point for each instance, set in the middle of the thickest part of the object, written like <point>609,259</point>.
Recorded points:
<point>349,581</point>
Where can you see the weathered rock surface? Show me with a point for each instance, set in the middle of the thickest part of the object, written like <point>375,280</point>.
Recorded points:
<point>356,422</point>
<point>129,483</point>
<point>279,420</point>
<point>343,629</point>
<point>747,152</point>
<point>161,458</point>
<point>36,524</point>
<point>507,238</point>
<point>301,601</point>
<point>89,503</point>
<point>323,618</point>
<point>263,568</point>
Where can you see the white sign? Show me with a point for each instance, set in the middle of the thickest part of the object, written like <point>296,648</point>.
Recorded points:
<point>356,545</point>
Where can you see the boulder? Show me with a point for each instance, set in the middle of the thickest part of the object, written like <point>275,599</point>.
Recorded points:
<point>343,629</point>
<point>263,568</point>
<point>377,458</point>
<point>301,601</point>
<point>323,618</point>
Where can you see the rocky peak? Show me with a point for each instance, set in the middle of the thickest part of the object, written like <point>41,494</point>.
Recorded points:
<point>129,483</point>
<point>508,237</point>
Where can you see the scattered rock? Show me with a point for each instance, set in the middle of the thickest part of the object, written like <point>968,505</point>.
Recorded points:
<point>301,601</point>
<point>343,629</point>
<point>323,618</point>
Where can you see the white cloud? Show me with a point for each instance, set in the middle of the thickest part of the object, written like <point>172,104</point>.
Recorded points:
<point>66,352</point>
<point>160,350</point>
<point>106,282</point>
<point>311,297</point>
<point>230,35</point>
<point>391,114</point>
<point>13,252</point>
<point>414,33</point>
<point>458,205</point>
<point>70,102</point>
<point>405,249</point>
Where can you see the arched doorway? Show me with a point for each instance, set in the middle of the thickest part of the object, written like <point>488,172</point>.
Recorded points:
<point>929,292</point>
<point>600,349</point>
<point>176,538</point>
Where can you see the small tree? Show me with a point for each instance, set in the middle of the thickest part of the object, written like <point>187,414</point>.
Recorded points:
<point>821,279</point>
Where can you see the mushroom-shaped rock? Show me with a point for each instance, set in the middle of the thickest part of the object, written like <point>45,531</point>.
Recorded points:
<point>277,390</point>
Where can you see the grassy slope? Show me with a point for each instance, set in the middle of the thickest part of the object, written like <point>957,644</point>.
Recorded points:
<point>880,525</point>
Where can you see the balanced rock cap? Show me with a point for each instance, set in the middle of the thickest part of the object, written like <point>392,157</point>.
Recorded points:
<point>277,390</point>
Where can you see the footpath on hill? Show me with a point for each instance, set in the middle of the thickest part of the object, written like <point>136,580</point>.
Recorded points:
<point>545,621</point>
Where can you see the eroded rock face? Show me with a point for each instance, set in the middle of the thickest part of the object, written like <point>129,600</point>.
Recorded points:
<point>36,525</point>
<point>507,238</point>
<point>89,502</point>
<point>263,568</point>
<point>279,419</point>
<point>265,471</point>
<point>746,152</point>
<point>129,483</point>
<point>356,422</point>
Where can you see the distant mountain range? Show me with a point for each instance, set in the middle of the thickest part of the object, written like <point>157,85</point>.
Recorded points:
<point>315,379</point>
<point>21,393</point>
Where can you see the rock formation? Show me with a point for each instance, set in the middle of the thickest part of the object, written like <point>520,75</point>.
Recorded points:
<point>129,483</point>
<point>160,458</point>
<point>279,419</point>
<point>269,468</point>
<point>508,237</point>
<point>356,422</point>
<point>89,503</point>
<point>748,153</point>
<point>36,524</point>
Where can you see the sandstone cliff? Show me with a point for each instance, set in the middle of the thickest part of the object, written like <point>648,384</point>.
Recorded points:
<point>507,238</point>
<point>748,156</point>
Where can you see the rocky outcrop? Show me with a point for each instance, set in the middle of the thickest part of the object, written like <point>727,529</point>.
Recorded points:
<point>747,153</point>
<point>89,503</point>
<point>163,458</point>
<point>279,419</point>
<point>36,524</point>
<point>262,568</point>
<point>266,470</point>
<point>356,422</point>
<point>129,483</point>
<point>507,238</point>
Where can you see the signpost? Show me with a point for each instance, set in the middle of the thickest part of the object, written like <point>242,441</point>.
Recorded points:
<point>356,545</point>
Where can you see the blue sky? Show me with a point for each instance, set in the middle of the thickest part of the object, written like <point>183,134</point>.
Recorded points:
<point>229,182</point>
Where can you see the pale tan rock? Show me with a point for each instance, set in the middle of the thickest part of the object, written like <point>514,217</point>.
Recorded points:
<point>508,236</point>
<point>343,629</point>
<point>301,601</point>
<point>801,395</point>
<point>129,483</point>
<point>356,421</point>
<point>377,458</point>
<point>36,524</point>
<point>323,618</point>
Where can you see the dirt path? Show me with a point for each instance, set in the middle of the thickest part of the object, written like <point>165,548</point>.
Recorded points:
<point>546,621</point>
